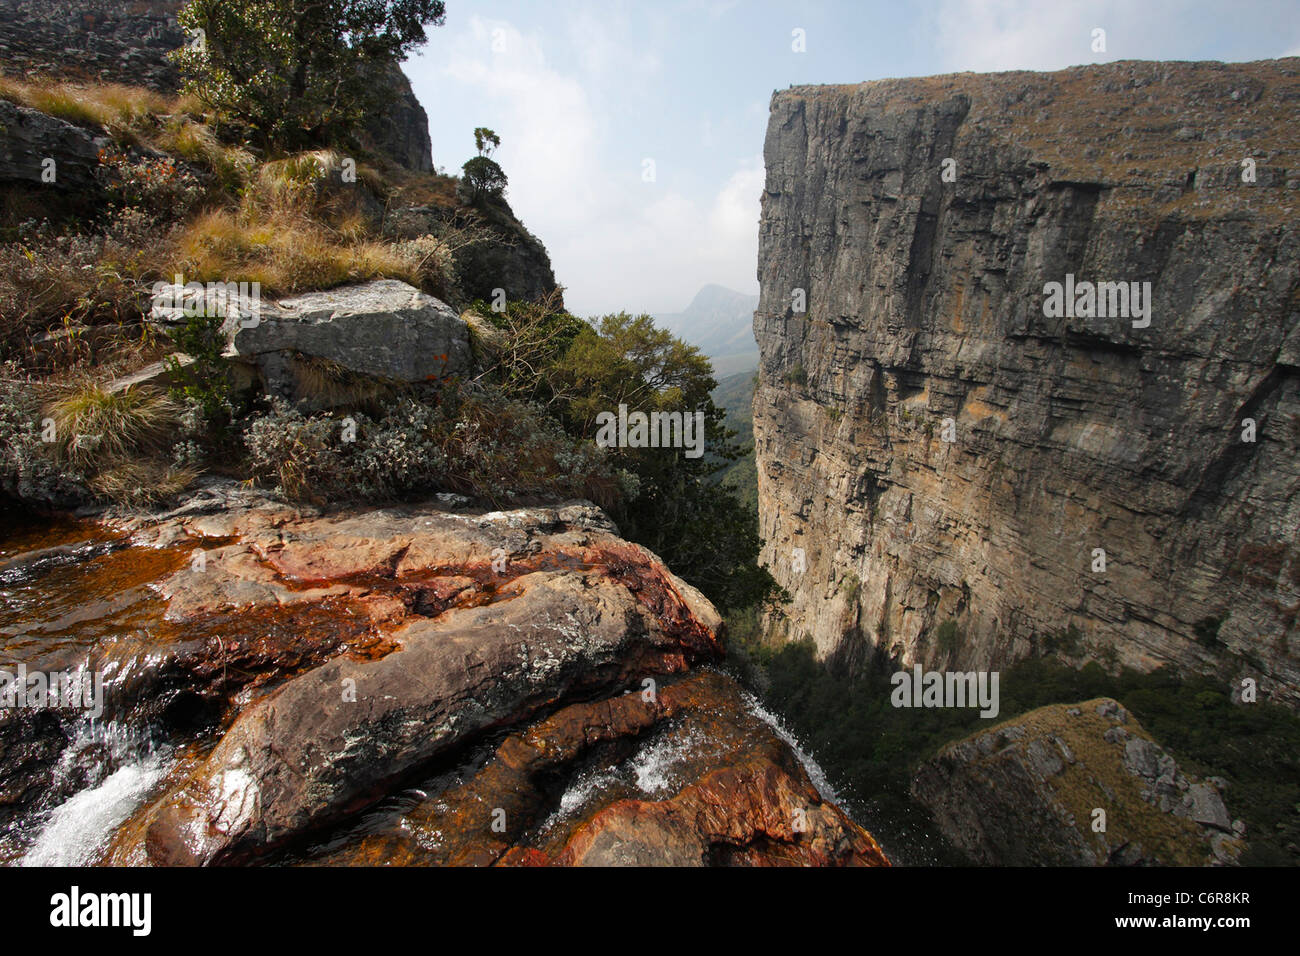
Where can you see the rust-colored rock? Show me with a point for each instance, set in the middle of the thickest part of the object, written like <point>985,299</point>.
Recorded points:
<point>528,672</point>
<point>734,795</point>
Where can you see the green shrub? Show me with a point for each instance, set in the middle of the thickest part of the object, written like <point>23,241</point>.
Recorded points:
<point>478,445</point>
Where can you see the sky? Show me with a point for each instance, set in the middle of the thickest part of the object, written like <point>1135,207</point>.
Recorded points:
<point>632,133</point>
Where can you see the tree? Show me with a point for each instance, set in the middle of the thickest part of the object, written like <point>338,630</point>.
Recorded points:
<point>483,177</point>
<point>576,370</point>
<point>700,528</point>
<point>297,72</point>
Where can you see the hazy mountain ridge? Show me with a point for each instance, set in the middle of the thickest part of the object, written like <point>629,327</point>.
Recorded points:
<point>721,322</point>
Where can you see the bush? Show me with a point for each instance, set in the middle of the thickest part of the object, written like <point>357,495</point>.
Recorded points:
<point>206,382</point>
<point>49,281</point>
<point>94,427</point>
<point>947,637</point>
<point>478,445</point>
<point>27,467</point>
<point>296,73</point>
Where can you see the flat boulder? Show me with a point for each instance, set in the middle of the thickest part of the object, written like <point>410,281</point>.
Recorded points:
<point>384,329</point>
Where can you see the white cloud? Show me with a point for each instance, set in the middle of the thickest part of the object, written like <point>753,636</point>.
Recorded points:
<point>616,242</point>
<point>993,35</point>
<point>548,129</point>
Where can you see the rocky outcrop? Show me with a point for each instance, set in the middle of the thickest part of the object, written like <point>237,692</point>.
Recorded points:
<point>104,40</point>
<point>506,256</point>
<point>303,667</point>
<point>1080,785</point>
<point>108,41</point>
<point>384,329</point>
<point>942,444</point>
<point>401,129</point>
<point>30,140</point>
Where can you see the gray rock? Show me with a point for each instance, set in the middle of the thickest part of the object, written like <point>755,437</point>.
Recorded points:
<point>1142,757</point>
<point>384,329</point>
<point>925,302</point>
<point>1225,849</point>
<point>1203,804</point>
<point>1046,762</point>
<point>29,137</point>
<point>1115,735</point>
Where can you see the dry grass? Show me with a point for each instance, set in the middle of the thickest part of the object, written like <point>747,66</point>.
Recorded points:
<point>298,226</point>
<point>135,483</point>
<point>327,384</point>
<point>284,251</point>
<point>94,428</point>
<point>179,135</point>
<point>123,110</point>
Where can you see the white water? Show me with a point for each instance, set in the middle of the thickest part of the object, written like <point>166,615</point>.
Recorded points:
<point>810,766</point>
<point>653,765</point>
<point>78,828</point>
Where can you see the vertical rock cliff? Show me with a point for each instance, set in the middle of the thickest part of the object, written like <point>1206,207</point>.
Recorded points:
<point>944,446</point>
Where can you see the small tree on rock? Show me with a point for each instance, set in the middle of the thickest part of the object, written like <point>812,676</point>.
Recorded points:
<point>483,177</point>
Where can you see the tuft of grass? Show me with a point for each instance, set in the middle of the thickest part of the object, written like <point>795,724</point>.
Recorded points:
<point>94,427</point>
<point>135,483</point>
<point>284,250</point>
<point>194,142</point>
<point>327,384</point>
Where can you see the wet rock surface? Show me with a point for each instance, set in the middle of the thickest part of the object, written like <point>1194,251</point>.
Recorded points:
<point>682,774</point>
<point>1080,785</point>
<point>302,669</point>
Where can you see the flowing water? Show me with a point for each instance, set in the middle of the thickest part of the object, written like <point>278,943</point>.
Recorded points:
<point>68,590</point>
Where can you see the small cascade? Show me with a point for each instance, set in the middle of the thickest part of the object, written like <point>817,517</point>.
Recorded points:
<point>76,830</point>
<point>109,769</point>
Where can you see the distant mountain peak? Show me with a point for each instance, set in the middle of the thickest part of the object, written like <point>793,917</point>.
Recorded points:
<point>720,321</point>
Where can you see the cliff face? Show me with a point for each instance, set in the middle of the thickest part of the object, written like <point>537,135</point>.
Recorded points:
<point>925,321</point>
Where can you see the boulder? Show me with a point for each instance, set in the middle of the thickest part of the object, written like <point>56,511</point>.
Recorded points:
<point>1027,792</point>
<point>29,137</point>
<point>384,329</point>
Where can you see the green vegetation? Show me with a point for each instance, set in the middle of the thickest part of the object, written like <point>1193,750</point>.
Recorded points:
<point>205,382</point>
<point>576,371</point>
<point>735,396</point>
<point>947,637</point>
<point>870,748</point>
<point>483,177</point>
<point>296,74</point>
